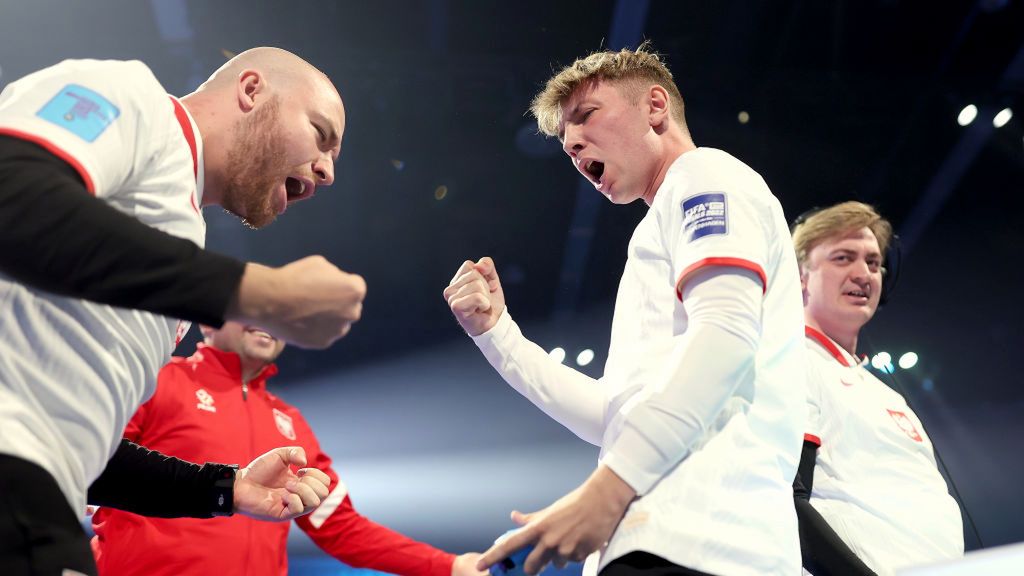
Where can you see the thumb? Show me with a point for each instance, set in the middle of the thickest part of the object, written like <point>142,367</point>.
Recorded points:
<point>295,456</point>
<point>520,518</point>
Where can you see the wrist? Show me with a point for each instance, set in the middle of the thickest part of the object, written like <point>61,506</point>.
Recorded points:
<point>222,494</point>
<point>612,486</point>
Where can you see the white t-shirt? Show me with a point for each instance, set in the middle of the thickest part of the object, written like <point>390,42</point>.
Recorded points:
<point>727,507</point>
<point>73,372</point>
<point>875,481</point>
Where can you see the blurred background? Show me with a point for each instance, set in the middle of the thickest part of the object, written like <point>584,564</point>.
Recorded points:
<point>916,107</point>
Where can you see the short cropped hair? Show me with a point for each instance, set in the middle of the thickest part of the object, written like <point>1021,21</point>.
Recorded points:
<point>633,71</point>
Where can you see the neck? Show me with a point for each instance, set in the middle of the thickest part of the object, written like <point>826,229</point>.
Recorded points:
<point>251,368</point>
<point>675,144</point>
<point>215,141</point>
<point>844,337</point>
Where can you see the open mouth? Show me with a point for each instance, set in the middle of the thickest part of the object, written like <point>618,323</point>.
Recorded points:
<point>295,188</point>
<point>856,293</point>
<point>594,170</point>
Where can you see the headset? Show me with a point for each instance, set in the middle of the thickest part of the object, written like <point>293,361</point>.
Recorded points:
<point>890,277</point>
<point>891,260</point>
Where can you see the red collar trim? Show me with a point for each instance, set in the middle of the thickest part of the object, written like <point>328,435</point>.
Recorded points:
<point>230,363</point>
<point>827,344</point>
<point>186,129</point>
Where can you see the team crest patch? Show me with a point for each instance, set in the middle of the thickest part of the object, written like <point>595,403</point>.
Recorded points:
<point>284,424</point>
<point>906,425</point>
<point>705,215</point>
<point>205,401</point>
<point>80,111</point>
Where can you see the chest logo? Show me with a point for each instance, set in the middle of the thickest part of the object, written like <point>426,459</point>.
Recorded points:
<point>284,424</point>
<point>906,425</point>
<point>205,401</point>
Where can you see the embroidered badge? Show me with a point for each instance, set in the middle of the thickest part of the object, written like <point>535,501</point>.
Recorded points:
<point>705,215</point>
<point>80,111</point>
<point>205,401</point>
<point>284,424</point>
<point>906,425</point>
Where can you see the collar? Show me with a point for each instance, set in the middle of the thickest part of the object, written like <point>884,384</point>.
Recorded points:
<point>229,364</point>
<point>195,144</point>
<point>825,342</point>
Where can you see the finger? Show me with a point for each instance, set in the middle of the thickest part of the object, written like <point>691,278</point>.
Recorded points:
<point>485,267</point>
<point>538,559</point>
<point>475,287</point>
<point>504,548</point>
<point>296,456</point>
<point>305,493</point>
<point>471,304</point>
<point>521,518</point>
<point>319,487</point>
<point>316,473</point>
<point>293,504</point>
<point>467,278</point>
<point>466,267</point>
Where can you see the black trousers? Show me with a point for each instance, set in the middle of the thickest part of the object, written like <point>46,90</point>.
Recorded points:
<point>645,564</point>
<point>39,533</point>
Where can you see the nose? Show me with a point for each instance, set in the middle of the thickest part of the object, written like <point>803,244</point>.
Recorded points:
<point>323,169</point>
<point>572,142</point>
<point>860,271</point>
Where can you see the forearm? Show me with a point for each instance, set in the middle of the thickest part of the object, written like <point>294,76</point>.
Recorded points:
<point>362,543</point>
<point>152,484</point>
<point>824,552</point>
<point>710,361</point>
<point>573,399</point>
<point>59,238</point>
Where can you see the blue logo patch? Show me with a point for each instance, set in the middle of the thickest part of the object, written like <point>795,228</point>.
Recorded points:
<point>81,111</point>
<point>704,215</point>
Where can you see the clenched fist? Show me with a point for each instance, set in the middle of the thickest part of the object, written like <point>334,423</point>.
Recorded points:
<point>475,296</point>
<point>309,303</point>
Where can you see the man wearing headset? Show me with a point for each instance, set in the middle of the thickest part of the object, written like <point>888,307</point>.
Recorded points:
<point>868,494</point>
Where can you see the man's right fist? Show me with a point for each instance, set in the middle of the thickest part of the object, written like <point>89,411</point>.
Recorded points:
<point>475,296</point>
<point>309,303</point>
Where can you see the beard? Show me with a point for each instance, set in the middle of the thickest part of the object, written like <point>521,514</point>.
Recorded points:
<point>255,166</point>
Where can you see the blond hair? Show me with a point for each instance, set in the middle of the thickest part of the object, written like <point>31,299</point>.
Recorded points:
<point>632,71</point>
<point>837,220</point>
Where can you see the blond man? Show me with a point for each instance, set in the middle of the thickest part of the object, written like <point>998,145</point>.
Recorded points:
<point>699,412</point>
<point>868,494</point>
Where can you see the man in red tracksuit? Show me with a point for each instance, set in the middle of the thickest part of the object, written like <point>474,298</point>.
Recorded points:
<point>215,406</point>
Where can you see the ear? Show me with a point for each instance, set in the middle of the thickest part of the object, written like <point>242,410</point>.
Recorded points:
<point>658,101</point>
<point>250,84</point>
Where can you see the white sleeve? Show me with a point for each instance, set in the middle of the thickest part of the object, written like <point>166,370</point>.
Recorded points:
<point>711,359</point>
<point>88,113</point>
<point>573,399</point>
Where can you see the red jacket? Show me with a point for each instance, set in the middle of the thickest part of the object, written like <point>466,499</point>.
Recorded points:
<point>200,413</point>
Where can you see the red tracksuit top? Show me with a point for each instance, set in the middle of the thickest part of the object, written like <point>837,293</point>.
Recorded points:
<point>199,413</point>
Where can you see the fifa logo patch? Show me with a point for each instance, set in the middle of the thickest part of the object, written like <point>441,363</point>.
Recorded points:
<point>284,424</point>
<point>705,215</point>
<point>205,401</point>
<point>80,111</point>
<point>903,421</point>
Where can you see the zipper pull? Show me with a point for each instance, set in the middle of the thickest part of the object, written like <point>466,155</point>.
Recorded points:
<point>245,391</point>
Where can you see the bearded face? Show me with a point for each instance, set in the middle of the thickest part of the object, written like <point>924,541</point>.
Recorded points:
<point>256,166</point>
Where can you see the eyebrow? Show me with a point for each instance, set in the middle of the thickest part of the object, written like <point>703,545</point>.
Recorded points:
<point>853,252</point>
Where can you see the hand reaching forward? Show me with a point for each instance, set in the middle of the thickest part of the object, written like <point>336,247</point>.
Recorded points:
<point>475,296</point>
<point>267,489</point>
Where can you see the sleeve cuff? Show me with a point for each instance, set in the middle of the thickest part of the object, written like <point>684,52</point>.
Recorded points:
<point>499,334</point>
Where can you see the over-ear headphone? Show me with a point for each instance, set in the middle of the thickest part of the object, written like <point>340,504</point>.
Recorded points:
<point>891,260</point>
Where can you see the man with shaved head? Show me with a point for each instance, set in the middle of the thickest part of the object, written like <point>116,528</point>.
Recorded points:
<point>102,180</point>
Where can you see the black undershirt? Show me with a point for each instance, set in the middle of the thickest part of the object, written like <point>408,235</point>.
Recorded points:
<point>59,238</point>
